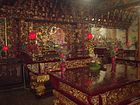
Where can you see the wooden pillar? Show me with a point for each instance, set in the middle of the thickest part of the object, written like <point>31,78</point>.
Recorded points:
<point>138,44</point>
<point>113,34</point>
<point>126,41</point>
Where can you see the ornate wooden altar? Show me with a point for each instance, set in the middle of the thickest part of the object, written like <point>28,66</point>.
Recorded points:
<point>38,72</point>
<point>79,86</point>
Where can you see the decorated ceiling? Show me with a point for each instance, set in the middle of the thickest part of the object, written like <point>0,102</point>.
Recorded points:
<point>106,13</point>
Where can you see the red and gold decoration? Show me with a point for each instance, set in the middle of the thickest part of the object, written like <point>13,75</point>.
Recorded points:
<point>90,36</point>
<point>95,64</point>
<point>90,44</point>
<point>39,80</point>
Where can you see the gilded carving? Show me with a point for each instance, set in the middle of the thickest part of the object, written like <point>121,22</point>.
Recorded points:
<point>117,95</point>
<point>78,94</point>
<point>56,65</point>
<point>74,92</point>
<point>77,63</point>
<point>95,100</point>
<point>62,99</point>
<point>51,66</point>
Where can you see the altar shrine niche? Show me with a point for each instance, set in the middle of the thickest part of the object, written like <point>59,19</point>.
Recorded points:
<point>50,36</point>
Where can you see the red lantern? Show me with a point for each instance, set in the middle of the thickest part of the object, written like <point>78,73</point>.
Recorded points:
<point>89,36</point>
<point>5,48</point>
<point>32,36</point>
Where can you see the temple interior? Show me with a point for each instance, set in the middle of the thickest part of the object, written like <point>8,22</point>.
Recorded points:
<point>69,52</point>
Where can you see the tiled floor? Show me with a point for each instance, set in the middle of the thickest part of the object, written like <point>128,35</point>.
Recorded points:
<point>23,97</point>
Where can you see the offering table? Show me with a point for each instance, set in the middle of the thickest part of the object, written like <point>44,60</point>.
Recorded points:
<point>80,86</point>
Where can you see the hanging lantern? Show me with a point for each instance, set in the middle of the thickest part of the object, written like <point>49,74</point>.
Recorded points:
<point>32,35</point>
<point>5,48</point>
<point>89,36</point>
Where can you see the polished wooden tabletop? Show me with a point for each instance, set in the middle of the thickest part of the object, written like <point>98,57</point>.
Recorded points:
<point>94,83</point>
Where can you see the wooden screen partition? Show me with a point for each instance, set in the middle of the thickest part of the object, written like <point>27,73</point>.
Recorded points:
<point>11,74</point>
